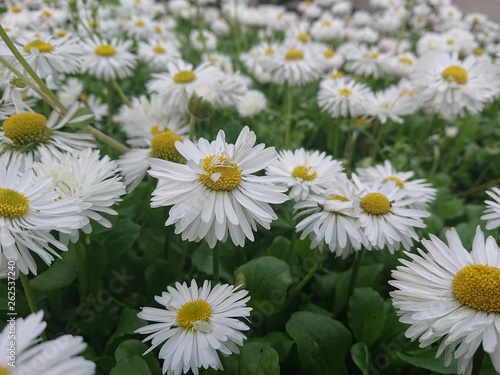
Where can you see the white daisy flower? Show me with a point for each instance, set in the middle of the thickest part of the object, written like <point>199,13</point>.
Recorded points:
<point>327,57</point>
<point>342,97</point>
<point>389,104</point>
<point>195,325</point>
<point>59,356</point>
<point>452,294</point>
<point>216,193</point>
<point>24,135</point>
<point>332,218</point>
<point>180,82</point>
<point>401,65</point>
<point>222,61</point>
<point>138,27</point>
<point>18,14</point>
<point>28,213</point>
<point>492,212</point>
<point>158,53</point>
<point>49,17</point>
<point>72,91</point>
<point>327,28</point>
<point>386,216</point>
<point>420,188</point>
<point>365,61</point>
<point>293,65</point>
<point>88,177</point>
<point>305,172</point>
<point>453,87</point>
<point>252,103</point>
<point>203,41</point>
<point>107,59</point>
<point>431,42</point>
<point>230,90</point>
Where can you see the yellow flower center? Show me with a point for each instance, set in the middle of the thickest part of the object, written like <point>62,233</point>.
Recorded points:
<point>47,13</point>
<point>269,51</point>
<point>455,73</point>
<point>93,24</point>
<point>375,204</point>
<point>105,50</point>
<point>338,198</point>
<point>478,51</point>
<point>184,76</point>
<point>397,180</point>
<point>158,29</point>
<point>4,370</point>
<point>140,23</point>
<point>478,287</point>
<point>345,92</point>
<point>214,59</point>
<point>303,37</point>
<point>405,60</point>
<point>39,45</point>
<point>329,53</point>
<point>222,175</point>
<point>326,23</point>
<point>371,55</point>
<point>84,98</point>
<point>13,205</point>
<point>159,49</point>
<point>361,121</point>
<point>193,311</point>
<point>26,128</point>
<point>336,75</point>
<point>450,42</point>
<point>16,9</point>
<point>294,54</point>
<point>303,173</point>
<point>163,145</point>
<point>61,33</point>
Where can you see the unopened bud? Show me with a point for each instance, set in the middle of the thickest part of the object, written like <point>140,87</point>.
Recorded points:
<point>201,104</point>
<point>18,82</point>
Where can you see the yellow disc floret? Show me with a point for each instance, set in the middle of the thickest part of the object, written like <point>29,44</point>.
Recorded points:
<point>345,92</point>
<point>140,23</point>
<point>40,45</point>
<point>221,174</point>
<point>397,180</point>
<point>405,60</point>
<point>478,287</point>
<point>26,128</point>
<point>375,204</point>
<point>294,54</point>
<point>455,73</point>
<point>16,9</point>
<point>303,37</point>
<point>163,145</point>
<point>193,311</point>
<point>303,173</point>
<point>269,51</point>
<point>105,50</point>
<point>184,76</point>
<point>336,75</point>
<point>159,49</point>
<point>13,205</point>
<point>329,53</point>
<point>338,198</point>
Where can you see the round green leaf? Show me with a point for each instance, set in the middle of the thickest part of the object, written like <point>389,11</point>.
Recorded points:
<point>366,315</point>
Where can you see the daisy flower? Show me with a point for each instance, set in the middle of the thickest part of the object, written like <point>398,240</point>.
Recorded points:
<point>365,61</point>
<point>158,53</point>
<point>492,212</point>
<point>401,65</point>
<point>294,65</point>
<point>305,172</point>
<point>326,57</point>
<point>342,97</point>
<point>138,27</point>
<point>181,81</point>
<point>24,135</point>
<point>56,357</point>
<point>452,86</point>
<point>252,103</point>
<point>452,294</point>
<point>203,40</point>
<point>331,218</point>
<point>93,180</point>
<point>420,189</point>
<point>389,104</point>
<point>195,325</point>
<point>28,213</point>
<point>386,216</point>
<point>327,28</point>
<point>107,59</point>
<point>216,194</point>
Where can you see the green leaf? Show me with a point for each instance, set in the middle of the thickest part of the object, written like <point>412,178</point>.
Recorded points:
<point>258,358</point>
<point>158,275</point>
<point>267,279</point>
<point>426,359</point>
<point>366,315</point>
<point>131,366</point>
<point>279,247</point>
<point>121,237</point>
<point>361,357</point>
<point>82,118</point>
<point>129,348</point>
<point>322,343</point>
<point>127,324</point>
<point>60,274</point>
<point>229,363</point>
<point>280,341</point>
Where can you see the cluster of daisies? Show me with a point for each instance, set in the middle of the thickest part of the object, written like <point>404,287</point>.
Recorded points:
<point>427,56</point>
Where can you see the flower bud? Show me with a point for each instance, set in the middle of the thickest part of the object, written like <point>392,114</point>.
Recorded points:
<point>201,104</point>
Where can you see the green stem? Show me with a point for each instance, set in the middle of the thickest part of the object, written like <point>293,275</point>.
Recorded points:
<point>477,361</point>
<point>354,272</point>
<point>291,247</point>
<point>120,92</point>
<point>80,261</point>
<point>377,137</point>
<point>104,138</point>
<point>192,122</point>
<point>28,292</point>
<point>288,116</point>
<point>215,253</point>
<point>199,22</point>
